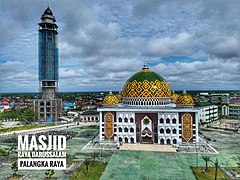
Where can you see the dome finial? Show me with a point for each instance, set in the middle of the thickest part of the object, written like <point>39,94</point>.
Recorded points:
<point>145,66</point>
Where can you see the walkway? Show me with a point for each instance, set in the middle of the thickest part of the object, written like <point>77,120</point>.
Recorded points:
<point>148,147</point>
<point>49,128</point>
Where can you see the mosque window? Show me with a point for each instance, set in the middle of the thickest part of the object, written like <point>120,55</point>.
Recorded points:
<point>120,139</point>
<point>161,130</point>
<point>174,141</point>
<point>132,140</point>
<point>125,120</point>
<point>168,121</point>
<point>168,131</point>
<point>126,140</point>
<point>125,129</point>
<point>168,141</point>
<point>119,119</point>
<point>120,129</point>
<point>162,141</point>
<point>131,120</point>
<point>42,104</point>
<point>131,129</point>
<point>161,120</point>
<point>48,103</point>
<point>174,131</point>
<point>174,121</point>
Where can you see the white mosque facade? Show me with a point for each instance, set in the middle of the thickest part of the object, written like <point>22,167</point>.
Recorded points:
<point>147,111</point>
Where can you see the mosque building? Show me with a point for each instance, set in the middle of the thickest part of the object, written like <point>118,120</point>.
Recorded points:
<point>147,111</point>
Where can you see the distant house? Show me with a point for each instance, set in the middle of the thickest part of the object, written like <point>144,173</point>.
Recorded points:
<point>69,107</point>
<point>89,116</point>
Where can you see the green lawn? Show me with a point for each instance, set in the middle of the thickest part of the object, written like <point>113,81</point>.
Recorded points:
<point>95,171</point>
<point>26,127</point>
<point>201,174</point>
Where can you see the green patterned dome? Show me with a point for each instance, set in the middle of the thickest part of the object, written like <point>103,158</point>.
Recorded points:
<point>146,83</point>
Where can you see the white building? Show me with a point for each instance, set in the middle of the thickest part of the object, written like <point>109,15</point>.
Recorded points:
<point>208,114</point>
<point>148,113</point>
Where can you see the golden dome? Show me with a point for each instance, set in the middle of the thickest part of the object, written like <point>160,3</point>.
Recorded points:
<point>174,96</point>
<point>119,96</point>
<point>110,99</point>
<point>185,99</point>
<point>146,83</point>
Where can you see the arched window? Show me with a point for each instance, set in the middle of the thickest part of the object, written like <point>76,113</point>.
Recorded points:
<point>120,129</point>
<point>168,131</point>
<point>131,130</point>
<point>120,139</point>
<point>132,140</point>
<point>125,120</point>
<point>131,120</point>
<point>162,141</point>
<point>174,131</point>
<point>126,140</point>
<point>41,103</point>
<point>168,141</point>
<point>161,130</point>
<point>174,121</point>
<point>174,141</point>
<point>168,121</point>
<point>125,129</point>
<point>119,119</point>
<point>161,120</point>
<point>48,103</point>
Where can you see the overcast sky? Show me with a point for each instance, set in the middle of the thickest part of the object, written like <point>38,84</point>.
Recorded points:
<point>194,45</point>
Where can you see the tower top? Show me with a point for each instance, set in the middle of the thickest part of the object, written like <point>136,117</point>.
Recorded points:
<point>48,20</point>
<point>48,11</point>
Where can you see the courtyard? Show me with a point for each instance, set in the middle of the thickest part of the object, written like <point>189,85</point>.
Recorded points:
<point>162,162</point>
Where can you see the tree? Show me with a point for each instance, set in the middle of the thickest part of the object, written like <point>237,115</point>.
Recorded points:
<point>94,156</point>
<point>9,151</point>
<point>206,159</point>
<point>87,162</point>
<point>49,173</point>
<point>216,164</point>
<point>14,168</point>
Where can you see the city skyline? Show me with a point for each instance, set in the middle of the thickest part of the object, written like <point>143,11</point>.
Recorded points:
<point>193,45</point>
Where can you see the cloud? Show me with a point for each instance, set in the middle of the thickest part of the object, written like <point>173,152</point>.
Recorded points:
<point>102,44</point>
<point>167,46</point>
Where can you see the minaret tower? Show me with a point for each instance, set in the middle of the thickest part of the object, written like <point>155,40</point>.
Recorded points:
<point>48,107</point>
<point>48,55</point>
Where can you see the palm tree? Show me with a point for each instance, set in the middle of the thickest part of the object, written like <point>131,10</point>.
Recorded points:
<point>216,164</point>
<point>87,162</point>
<point>206,159</point>
<point>9,151</point>
<point>49,173</point>
<point>94,156</point>
<point>14,168</point>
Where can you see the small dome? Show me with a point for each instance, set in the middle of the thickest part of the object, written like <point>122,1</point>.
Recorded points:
<point>146,84</point>
<point>174,96</point>
<point>48,11</point>
<point>110,99</point>
<point>185,99</point>
<point>119,96</point>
